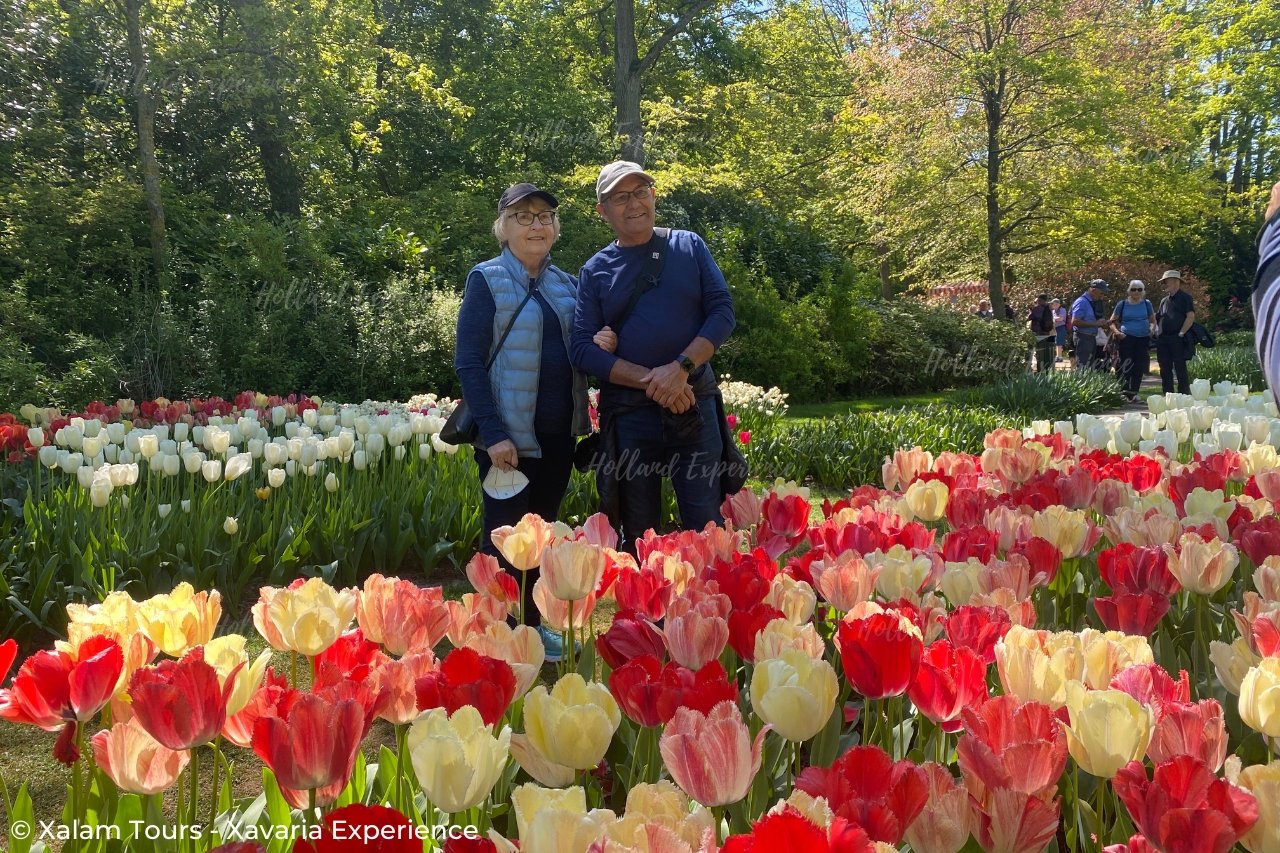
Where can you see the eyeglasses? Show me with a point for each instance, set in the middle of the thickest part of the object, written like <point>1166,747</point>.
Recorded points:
<point>526,217</point>
<point>1137,290</point>
<point>623,199</point>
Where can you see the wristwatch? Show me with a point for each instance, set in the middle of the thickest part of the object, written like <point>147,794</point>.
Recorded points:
<point>686,363</point>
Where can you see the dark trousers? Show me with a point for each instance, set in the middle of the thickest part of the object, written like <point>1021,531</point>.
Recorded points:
<point>1086,341</point>
<point>1045,351</point>
<point>1171,353</point>
<point>1135,358</point>
<point>648,451</point>
<point>548,481</point>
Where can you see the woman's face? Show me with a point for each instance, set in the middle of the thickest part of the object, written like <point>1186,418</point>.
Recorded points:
<point>532,241</point>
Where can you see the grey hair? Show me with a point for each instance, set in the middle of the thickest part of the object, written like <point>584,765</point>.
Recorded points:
<point>500,224</point>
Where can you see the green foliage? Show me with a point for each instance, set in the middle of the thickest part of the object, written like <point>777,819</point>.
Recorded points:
<point>846,451</point>
<point>1228,364</point>
<point>1055,395</point>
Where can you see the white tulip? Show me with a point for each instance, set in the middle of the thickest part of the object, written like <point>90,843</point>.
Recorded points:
<point>1229,436</point>
<point>441,447</point>
<point>124,457</point>
<point>1066,429</point>
<point>49,456</point>
<point>181,431</point>
<point>424,451</point>
<point>1131,428</point>
<point>1200,389</point>
<point>163,510</point>
<point>291,429</point>
<point>308,455</point>
<point>133,441</point>
<point>231,526</point>
<point>172,465</point>
<point>212,471</point>
<point>374,444</point>
<point>275,478</point>
<point>35,437</point>
<point>277,416</point>
<point>84,476</point>
<point>1257,428</point>
<point>237,465</point>
<point>325,423</point>
<point>91,446</point>
<point>148,445</point>
<point>358,461</point>
<point>100,492</point>
<point>1098,435</point>
<point>291,468</point>
<point>398,452</point>
<point>73,437</point>
<point>347,417</point>
<point>70,462</point>
<point>255,447</point>
<point>219,441</point>
<point>186,505</point>
<point>346,442</point>
<point>310,416</point>
<point>362,425</point>
<point>331,482</point>
<point>115,433</point>
<point>168,447</point>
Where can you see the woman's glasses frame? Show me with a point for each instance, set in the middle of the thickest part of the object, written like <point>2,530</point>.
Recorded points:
<point>526,217</point>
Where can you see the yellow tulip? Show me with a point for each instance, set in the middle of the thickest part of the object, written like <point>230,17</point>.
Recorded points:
<point>457,759</point>
<point>574,723</point>
<point>1109,728</point>
<point>1263,781</point>
<point>544,772</point>
<point>1038,666</point>
<point>794,692</point>
<point>180,620</point>
<point>572,568</point>
<point>661,804</point>
<point>961,581</point>
<point>1260,697</point>
<point>780,634</point>
<point>1266,578</point>
<point>1070,531</point>
<point>1231,663</point>
<point>796,599</point>
<point>1108,652</point>
<point>1200,566</point>
<point>304,617</point>
<point>903,574</point>
<point>228,658</point>
<point>523,544</point>
<point>556,821</point>
<point>927,499</point>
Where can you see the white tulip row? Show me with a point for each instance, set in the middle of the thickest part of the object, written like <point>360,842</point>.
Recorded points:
<point>1212,418</point>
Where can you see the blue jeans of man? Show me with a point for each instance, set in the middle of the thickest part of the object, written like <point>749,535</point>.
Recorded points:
<point>649,450</point>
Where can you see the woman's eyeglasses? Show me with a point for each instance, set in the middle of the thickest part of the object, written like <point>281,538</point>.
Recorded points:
<point>622,199</point>
<point>526,217</point>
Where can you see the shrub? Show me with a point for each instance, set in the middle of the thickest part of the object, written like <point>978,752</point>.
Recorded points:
<point>1228,363</point>
<point>1054,395</point>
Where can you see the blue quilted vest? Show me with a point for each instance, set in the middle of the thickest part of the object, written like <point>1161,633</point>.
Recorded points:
<point>514,373</point>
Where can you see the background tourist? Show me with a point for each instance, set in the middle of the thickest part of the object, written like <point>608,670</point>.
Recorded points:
<point>1133,322</point>
<point>1177,313</point>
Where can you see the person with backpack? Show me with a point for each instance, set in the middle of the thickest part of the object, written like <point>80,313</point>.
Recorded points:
<point>1176,315</point>
<point>1132,323</point>
<point>1087,321</point>
<point>1041,320</point>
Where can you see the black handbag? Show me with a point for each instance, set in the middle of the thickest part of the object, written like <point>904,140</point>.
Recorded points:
<point>733,463</point>
<point>461,428</point>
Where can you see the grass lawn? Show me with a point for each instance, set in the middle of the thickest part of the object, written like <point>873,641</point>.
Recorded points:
<point>815,411</point>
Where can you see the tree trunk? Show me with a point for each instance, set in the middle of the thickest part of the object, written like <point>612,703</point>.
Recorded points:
<point>146,118</point>
<point>995,259</point>
<point>626,82</point>
<point>267,116</point>
<point>886,278</point>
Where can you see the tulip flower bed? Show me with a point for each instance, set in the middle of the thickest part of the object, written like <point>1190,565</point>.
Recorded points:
<point>1042,646</point>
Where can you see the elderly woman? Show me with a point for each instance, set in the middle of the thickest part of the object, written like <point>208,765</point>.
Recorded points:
<point>512,360</point>
<point>1133,321</point>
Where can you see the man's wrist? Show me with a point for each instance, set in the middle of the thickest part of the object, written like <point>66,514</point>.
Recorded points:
<point>685,363</point>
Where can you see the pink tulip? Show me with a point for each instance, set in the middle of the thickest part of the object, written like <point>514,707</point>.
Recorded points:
<point>711,756</point>
<point>697,628</point>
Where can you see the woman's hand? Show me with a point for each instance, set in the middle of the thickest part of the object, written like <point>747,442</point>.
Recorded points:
<point>503,456</point>
<point>606,339</point>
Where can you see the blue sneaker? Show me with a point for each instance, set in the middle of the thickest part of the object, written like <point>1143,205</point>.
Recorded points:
<point>553,643</point>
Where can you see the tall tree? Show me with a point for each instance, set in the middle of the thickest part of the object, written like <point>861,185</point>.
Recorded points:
<point>145,117</point>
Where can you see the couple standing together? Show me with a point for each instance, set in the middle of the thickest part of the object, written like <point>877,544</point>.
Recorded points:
<point>644,316</point>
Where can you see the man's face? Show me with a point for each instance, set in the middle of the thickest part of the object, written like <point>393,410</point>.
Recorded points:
<point>631,218</point>
<point>1171,284</point>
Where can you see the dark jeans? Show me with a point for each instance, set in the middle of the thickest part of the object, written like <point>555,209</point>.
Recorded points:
<point>548,481</point>
<point>1086,341</point>
<point>649,451</point>
<point>1135,358</point>
<point>1045,351</point>
<point>1171,353</point>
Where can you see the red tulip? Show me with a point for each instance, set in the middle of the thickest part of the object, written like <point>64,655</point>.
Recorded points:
<point>1265,632</point>
<point>635,685</point>
<point>1075,490</point>
<point>1132,613</point>
<point>646,592</point>
<point>1127,568</point>
<point>352,656</point>
<point>745,580</point>
<point>628,637</point>
<point>8,651</point>
<point>1010,744</point>
<point>1260,539</point>
<point>1010,821</point>
<point>467,677</point>
<point>979,629</point>
<point>240,847</point>
<point>699,690</point>
<point>1184,808</point>
<point>358,828</point>
<point>879,657</point>
<point>1043,556</point>
<point>948,681</point>
<point>52,688</point>
<point>1136,844</point>
<point>745,626</point>
<point>867,788</point>
<point>1196,729</point>
<point>744,436</point>
<point>312,745</point>
<point>790,831</point>
<point>1190,478</point>
<point>181,703</point>
<point>264,703</point>
<point>973,541</point>
<point>470,845</point>
<point>967,507</point>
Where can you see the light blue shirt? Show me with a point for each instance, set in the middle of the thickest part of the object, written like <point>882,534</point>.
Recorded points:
<point>1134,319</point>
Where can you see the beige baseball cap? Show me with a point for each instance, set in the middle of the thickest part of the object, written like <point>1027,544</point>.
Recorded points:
<point>613,173</point>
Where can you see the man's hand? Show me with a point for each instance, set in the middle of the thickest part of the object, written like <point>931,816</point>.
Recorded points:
<point>668,386</point>
<point>606,339</point>
<point>503,456</point>
<point>1274,205</point>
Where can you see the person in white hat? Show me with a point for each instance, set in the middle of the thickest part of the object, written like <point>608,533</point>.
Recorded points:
<point>1176,314</point>
<point>1266,295</point>
<point>667,300</point>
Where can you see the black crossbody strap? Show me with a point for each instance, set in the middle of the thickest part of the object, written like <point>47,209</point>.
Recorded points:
<point>502,340</point>
<point>648,278</point>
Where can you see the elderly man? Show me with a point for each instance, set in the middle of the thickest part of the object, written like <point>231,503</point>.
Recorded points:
<point>661,292</point>
<point>1174,318</point>
<point>1266,295</point>
<point>1086,321</point>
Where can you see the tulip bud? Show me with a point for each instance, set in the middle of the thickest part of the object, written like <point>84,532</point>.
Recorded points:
<point>212,470</point>
<point>181,432</point>
<point>163,510</point>
<point>277,416</point>
<point>424,452</point>
<point>85,476</point>
<point>91,446</point>
<point>358,461</point>
<point>275,478</point>
<point>100,491</point>
<point>171,465</point>
<point>186,505</point>
<point>231,526</point>
<point>35,437</point>
<point>148,445</point>
<point>49,456</point>
<point>331,482</point>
